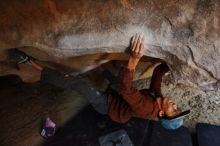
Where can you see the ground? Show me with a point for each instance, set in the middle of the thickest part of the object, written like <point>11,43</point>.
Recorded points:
<point>204,106</point>
<point>24,105</point>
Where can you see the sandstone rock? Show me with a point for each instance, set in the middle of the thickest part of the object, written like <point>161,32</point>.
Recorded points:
<point>184,33</point>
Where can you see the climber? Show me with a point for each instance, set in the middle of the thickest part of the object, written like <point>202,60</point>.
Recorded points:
<point>125,101</point>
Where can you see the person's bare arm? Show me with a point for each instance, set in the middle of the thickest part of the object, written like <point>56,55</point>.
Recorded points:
<point>142,105</point>
<point>137,48</point>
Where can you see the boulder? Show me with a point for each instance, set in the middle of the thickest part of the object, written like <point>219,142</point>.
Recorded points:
<point>185,34</point>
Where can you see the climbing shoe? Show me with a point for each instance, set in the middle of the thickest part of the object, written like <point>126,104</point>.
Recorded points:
<point>18,56</point>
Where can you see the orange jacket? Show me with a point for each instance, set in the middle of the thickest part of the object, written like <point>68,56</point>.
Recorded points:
<point>130,102</point>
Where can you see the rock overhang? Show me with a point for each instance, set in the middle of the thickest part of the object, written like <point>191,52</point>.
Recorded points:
<point>184,34</point>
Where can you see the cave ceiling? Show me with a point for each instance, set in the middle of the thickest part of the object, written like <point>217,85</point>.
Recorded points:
<point>185,34</point>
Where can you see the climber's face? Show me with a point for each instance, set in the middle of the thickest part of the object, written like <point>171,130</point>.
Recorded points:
<point>168,107</point>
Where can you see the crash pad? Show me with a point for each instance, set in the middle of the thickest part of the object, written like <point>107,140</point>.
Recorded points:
<point>208,135</point>
<point>86,129</point>
<point>88,126</point>
<point>159,136</point>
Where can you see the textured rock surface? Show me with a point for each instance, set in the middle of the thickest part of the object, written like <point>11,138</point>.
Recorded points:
<point>204,106</point>
<point>27,104</point>
<point>23,106</point>
<point>183,33</point>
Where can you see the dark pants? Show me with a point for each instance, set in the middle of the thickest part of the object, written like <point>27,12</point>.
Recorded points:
<point>98,100</point>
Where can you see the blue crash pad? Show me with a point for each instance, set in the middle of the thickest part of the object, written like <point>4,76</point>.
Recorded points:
<point>208,135</point>
<point>159,136</point>
<point>88,126</point>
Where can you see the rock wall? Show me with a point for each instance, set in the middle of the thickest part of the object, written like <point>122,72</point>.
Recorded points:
<point>183,33</point>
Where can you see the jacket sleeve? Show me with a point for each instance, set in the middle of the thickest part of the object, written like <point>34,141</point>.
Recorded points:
<point>143,105</point>
<point>119,110</point>
<point>156,79</point>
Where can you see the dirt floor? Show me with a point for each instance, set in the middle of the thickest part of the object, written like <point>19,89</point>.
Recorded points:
<point>204,106</point>
<point>22,107</point>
